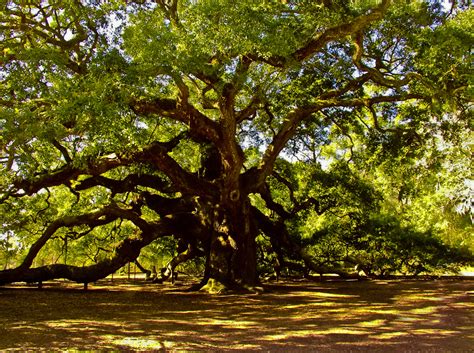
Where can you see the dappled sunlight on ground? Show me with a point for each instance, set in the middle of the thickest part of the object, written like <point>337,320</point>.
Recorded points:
<point>434,316</point>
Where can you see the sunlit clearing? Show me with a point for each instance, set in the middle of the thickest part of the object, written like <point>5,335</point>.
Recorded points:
<point>137,342</point>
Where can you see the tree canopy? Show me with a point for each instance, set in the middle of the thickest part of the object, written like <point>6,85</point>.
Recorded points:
<point>305,136</point>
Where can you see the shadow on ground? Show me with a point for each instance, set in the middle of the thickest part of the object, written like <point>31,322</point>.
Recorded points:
<point>375,316</point>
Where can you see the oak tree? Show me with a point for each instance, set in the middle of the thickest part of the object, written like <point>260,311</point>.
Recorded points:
<point>212,122</point>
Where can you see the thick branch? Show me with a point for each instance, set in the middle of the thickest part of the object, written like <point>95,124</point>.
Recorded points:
<point>127,184</point>
<point>128,250</point>
<point>249,111</point>
<point>167,206</point>
<point>183,180</point>
<point>200,126</point>
<point>341,31</point>
<point>271,204</point>
<point>94,219</point>
<point>256,176</point>
<point>63,151</point>
<point>286,132</point>
<point>155,153</point>
<point>320,40</point>
<point>297,206</point>
<point>367,102</point>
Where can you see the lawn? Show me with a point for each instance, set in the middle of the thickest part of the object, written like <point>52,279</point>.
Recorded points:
<point>332,316</point>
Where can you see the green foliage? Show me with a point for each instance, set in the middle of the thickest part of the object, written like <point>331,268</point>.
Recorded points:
<point>158,253</point>
<point>9,249</point>
<point>395,218</point>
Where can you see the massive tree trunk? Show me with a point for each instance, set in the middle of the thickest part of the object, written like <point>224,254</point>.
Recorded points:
<point>244,258</point>
<point>231,255</point>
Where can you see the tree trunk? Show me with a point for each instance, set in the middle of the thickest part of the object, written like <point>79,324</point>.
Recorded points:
<point>244,260</point>
<point>232,258</point>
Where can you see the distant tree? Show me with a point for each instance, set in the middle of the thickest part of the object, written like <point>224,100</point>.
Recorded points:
<point>228,125</point>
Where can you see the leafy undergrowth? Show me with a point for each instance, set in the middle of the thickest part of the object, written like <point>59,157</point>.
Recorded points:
<point>336,316</point>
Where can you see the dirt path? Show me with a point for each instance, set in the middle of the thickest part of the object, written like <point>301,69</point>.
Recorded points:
<point>375,316</point>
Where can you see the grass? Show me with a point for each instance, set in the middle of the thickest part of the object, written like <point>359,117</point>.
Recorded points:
<point>335,316</point>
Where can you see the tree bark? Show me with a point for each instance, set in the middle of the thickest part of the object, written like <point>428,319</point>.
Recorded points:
<point>244,260</point>
<point>232,258</point>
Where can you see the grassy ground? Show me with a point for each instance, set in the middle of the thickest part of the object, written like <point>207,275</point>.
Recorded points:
<point>368,316</point>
